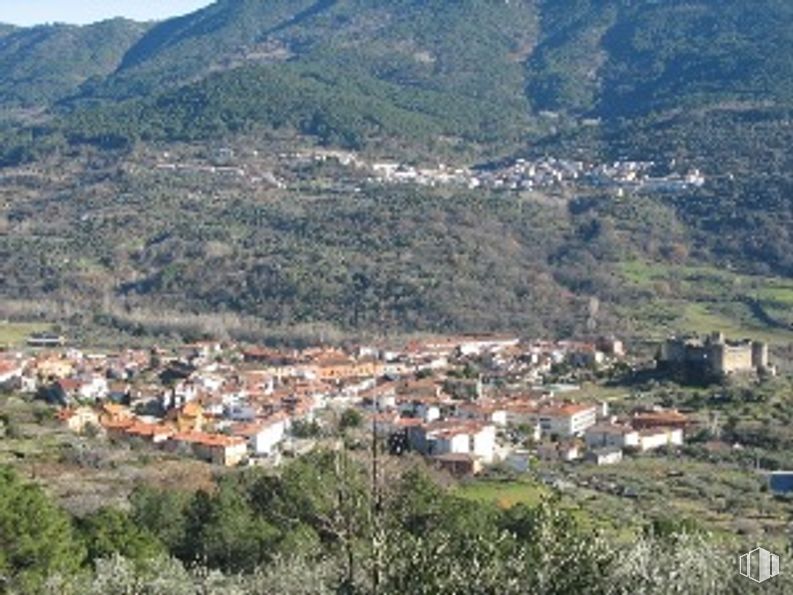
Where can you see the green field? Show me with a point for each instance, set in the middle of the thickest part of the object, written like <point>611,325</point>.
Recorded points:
<point>13,334</point>
<point>699,299</point>
<point>504,494</point>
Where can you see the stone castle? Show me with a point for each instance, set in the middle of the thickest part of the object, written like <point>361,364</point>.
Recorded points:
<point>714,356</point>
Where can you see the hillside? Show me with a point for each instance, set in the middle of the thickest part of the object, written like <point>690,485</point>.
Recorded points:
<point>41,65</point>
<point>610,59</point>
<point>89,219</point>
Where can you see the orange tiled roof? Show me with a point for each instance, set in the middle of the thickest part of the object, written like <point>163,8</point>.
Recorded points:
<point>8,366</point>
<point>661,416</point>
<point>146,430</point>
<point>566,409</point>
<point>213,440</point>
<point>192,410</point>
<point>116,424</point>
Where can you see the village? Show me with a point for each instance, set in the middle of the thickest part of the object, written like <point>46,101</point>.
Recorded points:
<point>350,171</point>
<point>464,402</point>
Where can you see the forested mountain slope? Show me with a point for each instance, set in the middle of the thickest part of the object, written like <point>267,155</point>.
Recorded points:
<point>702,84</point>
<point>43,64</point>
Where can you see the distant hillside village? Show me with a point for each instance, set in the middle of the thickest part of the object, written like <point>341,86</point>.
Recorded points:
<point>519,175</point>
<point>465,402</point>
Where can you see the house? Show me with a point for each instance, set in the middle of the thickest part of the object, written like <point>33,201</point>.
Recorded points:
<point>611,435</point>
<point>658,437</point>
<point>217,449</point>
<point>190,418</point>
<point>521,413</point>
<point>54,367</point>
<point>114,412</point>
<point>659,418</point>
<point>454,436</point>
<point>605,456</point>
<point>147,432</point>
<point>10,371</point>
<point>92,388</point>
<point>459,465</point>
<point>380,398</point>
<point>585,356</point>
<point>115,419</point>
<point>478,344</point>
<point>567,420</point>
<point>483,411</point>
<point>558,451</point>
<point>264,435</point>
<point>256,355</point>
<point>78,419</point>
<point>46,339</point>
<point>611,346</point>
<point>338,366</point>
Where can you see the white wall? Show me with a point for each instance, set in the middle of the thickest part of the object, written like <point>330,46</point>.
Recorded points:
<point>484,443</point>
<point>268,438</point>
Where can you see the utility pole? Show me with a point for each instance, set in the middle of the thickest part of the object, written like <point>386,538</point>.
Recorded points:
<point>376,506</point>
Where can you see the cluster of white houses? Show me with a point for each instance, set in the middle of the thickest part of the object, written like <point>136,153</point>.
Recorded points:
<point>228,404</point>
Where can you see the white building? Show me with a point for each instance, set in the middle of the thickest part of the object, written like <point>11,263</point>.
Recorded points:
<point>611,435</point>
<point>10,371</point>
<point>566,421</point>
<point>653,438</point>
<point>265,435</point>
<point>605,456</point>
<point>92,388</point>
<point>455,437</point>
<point>477,345</point>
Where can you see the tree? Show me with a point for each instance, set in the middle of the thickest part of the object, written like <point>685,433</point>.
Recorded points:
<point>350,418</point>
<point>222,531</point>
<point>111,531</point>
<point>161,512</point>
<point>36,538</point>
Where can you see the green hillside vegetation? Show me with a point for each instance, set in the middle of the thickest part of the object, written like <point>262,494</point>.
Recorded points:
<point>127,240</point>
<point>41,65</point>
<point>340,108</point>
<point>315,528</point>
<point>675,82</point>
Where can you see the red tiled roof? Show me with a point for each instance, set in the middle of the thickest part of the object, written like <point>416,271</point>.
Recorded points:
<point>148,430</point>
<point>70,383</point>
<point>207,439</point>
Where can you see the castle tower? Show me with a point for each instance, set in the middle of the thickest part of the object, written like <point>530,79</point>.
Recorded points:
<point>759,354</point>
<point>716,360</point>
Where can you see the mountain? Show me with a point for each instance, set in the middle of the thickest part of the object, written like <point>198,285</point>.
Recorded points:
<point>353,71</point>
<point>621,58</point>
<point>41,65</point>
<point>343,70</point>
<point>698,83</point>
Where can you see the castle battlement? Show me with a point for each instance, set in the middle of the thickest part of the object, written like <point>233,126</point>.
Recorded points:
<point>714,356</point>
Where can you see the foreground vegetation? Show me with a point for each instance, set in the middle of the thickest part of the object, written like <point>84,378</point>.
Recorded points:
<point>318,527</point>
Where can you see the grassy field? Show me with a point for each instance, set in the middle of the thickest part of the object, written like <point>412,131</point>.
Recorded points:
<point>699,299</point>
<point>503,493</point>
<point>13,334</point>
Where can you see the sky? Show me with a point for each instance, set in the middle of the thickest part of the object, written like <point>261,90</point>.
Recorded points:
<point>33,12</point>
